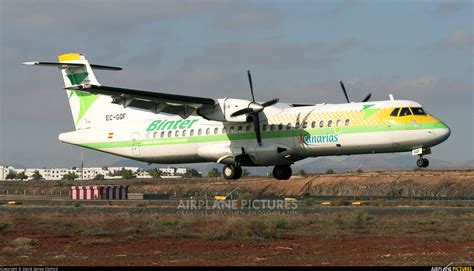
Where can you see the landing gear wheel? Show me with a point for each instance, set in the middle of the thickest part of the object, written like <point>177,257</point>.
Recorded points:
<point>422,162</point>
<point>282,172</point>
<point>426,162</point>
<point>232,172</point>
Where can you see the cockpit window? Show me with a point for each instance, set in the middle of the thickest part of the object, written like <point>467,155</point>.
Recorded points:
<point>395,112</point>
<point>405,112</point>
<point>418,111</point>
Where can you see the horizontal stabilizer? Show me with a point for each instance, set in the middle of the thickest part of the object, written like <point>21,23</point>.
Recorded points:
<point>63,65</point>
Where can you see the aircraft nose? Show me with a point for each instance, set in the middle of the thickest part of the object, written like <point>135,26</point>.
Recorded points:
<point>443,133</point>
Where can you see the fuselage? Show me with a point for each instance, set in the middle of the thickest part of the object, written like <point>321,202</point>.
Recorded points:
<point>288,134</point>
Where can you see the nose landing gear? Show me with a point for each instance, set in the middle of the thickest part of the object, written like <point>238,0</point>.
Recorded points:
<point>422,162</point>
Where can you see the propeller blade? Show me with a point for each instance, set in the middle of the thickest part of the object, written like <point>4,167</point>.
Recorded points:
<point>242,112</point>
<point>256,126</point>
<point>271,102</point>
<point>367,98</point>
<point>345,93</point>
<point>251,85</point>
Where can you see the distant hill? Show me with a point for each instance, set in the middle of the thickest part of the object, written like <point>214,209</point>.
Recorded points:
<point>378,162</point>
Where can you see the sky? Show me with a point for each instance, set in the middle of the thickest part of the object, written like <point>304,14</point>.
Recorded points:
<point>297,50</point>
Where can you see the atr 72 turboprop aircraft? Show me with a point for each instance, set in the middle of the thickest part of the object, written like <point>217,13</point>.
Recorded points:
<point>168,128</point>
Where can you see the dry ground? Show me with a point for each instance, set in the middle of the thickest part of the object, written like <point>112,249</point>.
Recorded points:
<point>346,237</point>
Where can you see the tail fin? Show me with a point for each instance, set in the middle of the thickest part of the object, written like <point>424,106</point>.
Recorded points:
<point>76,70</point>
<point>80,102</point>
<point>75,75</point>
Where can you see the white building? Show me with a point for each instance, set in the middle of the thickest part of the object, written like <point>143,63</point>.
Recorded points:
<point>4,170</point>
<point>172,171</point>
<point>87,173</point>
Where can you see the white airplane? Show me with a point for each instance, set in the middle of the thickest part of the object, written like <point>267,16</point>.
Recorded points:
<point>167,128</point>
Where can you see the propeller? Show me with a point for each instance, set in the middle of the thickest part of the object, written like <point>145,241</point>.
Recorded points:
<point>347,98</point>
<point>254,109</point>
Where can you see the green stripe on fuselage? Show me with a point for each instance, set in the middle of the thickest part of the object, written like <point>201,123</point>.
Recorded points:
<point>265,135</point>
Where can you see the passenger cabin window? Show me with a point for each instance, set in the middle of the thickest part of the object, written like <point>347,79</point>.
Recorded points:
<point>155,134</point>
<point>395,112</point>
<point>216,130</point>
<point>338,123</point>
<point>272,127</point>
<point>176,134</point>
<point>288,126</point>
<point>418,111</point>
<point>405,112</point>
<point>280,127</point>
<point>199,131</point>
<point>297,125</point>
<point>191,133</point>
<point>231,129</point>
<point>347,122</point>
<point>264,127</point>
<point>170,133</point>
<point>247,129</point>
<point>305,125</point>
<point>313,124</point>
<point>321,124</point>
<point>208,131</point>
<point>223,130</point>
<point>239,129</point>
<point>184,132</point>
<point>330,123</point>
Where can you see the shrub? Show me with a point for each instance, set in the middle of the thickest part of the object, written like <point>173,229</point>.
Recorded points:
<point>228,232</point>
<point>280,222</point>
<point>103,241</point>
<point>4,226</point>
<point>362,218</point>
<point>438,216</point>
<point>259,229</point>
<point>330,171</point>
<point>337,221</point>
<point>23,241</point>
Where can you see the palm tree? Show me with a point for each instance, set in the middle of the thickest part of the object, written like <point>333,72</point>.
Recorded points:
<point>37,176</point>
<point>11,175</point>
<point>154,172</point>
<point>70,176</point>
<point>21,176</point>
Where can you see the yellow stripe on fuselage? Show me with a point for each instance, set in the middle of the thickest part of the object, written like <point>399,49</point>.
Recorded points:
<point>356,117</point>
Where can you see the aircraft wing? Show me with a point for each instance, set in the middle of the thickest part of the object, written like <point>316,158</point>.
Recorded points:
<point>155,102</point>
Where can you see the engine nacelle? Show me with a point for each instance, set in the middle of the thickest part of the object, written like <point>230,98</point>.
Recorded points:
<point>224,109</point>
<point>270,154</point>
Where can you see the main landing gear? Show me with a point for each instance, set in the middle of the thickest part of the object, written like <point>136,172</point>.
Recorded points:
<point>282,172</point>
<point>232,172</point>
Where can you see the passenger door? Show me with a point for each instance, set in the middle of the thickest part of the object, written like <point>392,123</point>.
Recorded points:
<point>135,143</point>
